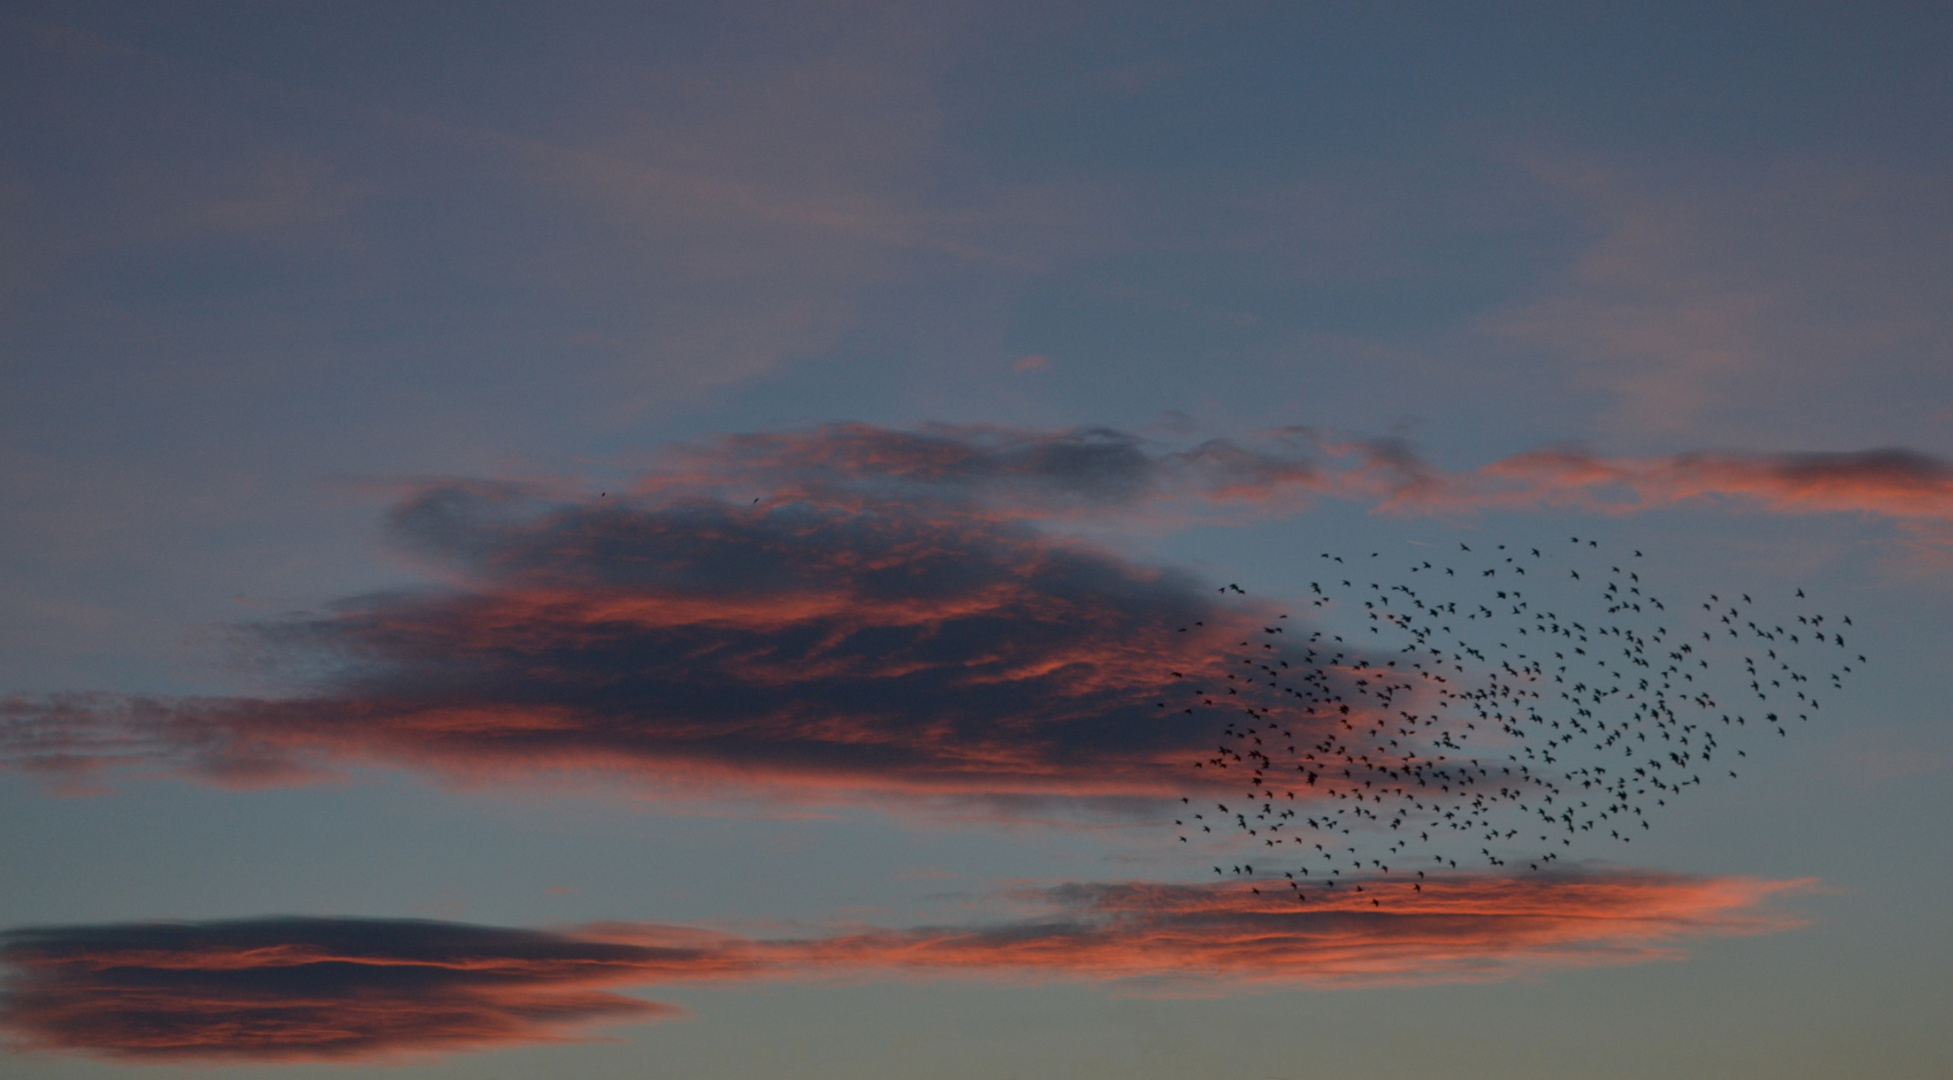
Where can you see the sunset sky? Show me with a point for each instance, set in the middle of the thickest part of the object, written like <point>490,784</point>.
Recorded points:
<point>591,540</point>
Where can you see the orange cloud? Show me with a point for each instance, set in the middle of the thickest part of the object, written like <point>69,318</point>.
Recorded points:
<point>1898,484</point>
<point>291,989</point>
<point>1437,930</point>
<point>847,610</point>
<point>909,649</point>
<point>1026,474</point>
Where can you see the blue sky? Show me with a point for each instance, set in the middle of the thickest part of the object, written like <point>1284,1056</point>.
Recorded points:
<point>272,278</point>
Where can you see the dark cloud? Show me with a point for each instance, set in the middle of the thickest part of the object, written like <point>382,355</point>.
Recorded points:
<point>895,646</point>
<point>305,988</point>
<point>844,609</point>
<point>1012,472</point>
<point>289,989</point>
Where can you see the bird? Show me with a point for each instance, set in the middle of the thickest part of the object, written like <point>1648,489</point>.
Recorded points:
<point>1603,705</point>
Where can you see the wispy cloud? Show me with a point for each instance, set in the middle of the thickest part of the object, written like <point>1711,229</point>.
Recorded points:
<point>1032,474</point>
<point>1892,483</point>
<point>1171,938</point>
<point>284,989</point>
<point>1020,474</point>
<point>1000,472</point>
<point>1749,300</point>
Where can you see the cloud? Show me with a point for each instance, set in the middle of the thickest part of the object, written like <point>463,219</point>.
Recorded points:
<point>848,611</point>
<point>1892,483</point>
<point>286,989</point>
<point>874,623</point>
<point>1045,475</point>
<point>1780,295</point>
<point>999,472</point>
<point>1441,930</point>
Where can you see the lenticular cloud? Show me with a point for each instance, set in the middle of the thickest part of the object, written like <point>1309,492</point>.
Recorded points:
<point>296,989</point>
<point>316,989</point>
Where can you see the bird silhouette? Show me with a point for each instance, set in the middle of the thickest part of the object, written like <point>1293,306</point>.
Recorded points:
<point>1481,713</point>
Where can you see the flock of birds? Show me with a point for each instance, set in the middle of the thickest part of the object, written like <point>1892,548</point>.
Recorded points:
<point>1493,712</point>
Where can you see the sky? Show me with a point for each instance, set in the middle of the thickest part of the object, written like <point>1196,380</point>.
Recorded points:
<point>704,540</point>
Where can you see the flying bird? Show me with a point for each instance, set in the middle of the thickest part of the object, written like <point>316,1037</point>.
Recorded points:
<point>1486,712</point>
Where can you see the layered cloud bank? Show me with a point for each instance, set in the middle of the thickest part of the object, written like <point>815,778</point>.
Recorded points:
<point>796,646</point>
<point>845,609</point>
<point>1898,484</point>
<point>335,989</point>
<point>1173,938</point>
<point>1036,474</point>
<point>296,988</point>
<point>862,613</point>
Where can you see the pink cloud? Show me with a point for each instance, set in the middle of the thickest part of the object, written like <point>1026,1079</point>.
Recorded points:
<point>1897,484</point>
<point>295,989</point>
<point>802,646</point>
<point>844,612</point>
<point>1438,930</point>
